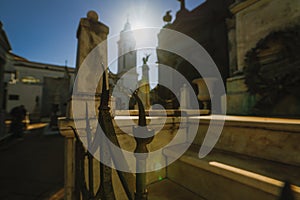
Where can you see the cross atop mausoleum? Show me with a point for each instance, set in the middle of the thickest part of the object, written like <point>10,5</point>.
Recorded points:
<point>182,3</point>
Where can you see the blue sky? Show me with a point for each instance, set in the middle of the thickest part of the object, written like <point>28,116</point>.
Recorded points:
<point>45,30</point>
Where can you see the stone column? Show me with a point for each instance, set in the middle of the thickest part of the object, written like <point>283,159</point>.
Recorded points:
<point>90,33</point>
<point>232,49</point>
<point>144,87</point>
<point>69,165</point>
<point>184,97</point>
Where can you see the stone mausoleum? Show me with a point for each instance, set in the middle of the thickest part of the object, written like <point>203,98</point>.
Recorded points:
<point>254,44</point>
<point>206,24</point>
<point>264,62</point>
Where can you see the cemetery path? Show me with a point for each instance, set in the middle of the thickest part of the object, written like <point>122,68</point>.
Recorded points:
<point>31,167</point>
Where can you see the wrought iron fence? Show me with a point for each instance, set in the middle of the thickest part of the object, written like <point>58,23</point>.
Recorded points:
<point>85,189</point>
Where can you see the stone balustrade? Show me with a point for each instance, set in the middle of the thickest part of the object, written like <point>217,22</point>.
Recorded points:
<point>252,158</point>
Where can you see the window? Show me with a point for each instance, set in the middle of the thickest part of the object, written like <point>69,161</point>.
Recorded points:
<point>30,80</point>
<point>13,97</point>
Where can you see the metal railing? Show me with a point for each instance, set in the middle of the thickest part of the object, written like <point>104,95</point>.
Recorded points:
<point>85,189</point>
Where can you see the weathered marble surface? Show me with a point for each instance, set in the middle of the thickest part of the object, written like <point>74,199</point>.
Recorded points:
<point>91,35</point>
<point>267,146</point>
<point>257,20</point>
<point>239,101</point>
<point>267,138</point>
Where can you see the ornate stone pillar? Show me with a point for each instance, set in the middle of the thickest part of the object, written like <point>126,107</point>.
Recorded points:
<point>90,33</point>
<point>144,87</point>
<point>232,49</point>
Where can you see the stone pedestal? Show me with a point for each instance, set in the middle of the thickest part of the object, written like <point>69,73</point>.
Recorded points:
<point>239,101</point>
<point>144,94</point>
<point>144,87</point>
<point>69,168</point>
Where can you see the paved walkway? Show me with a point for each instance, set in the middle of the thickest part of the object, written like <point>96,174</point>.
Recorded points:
<point>31,167</point>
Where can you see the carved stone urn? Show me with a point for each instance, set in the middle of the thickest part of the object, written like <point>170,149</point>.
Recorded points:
<point>204,86</point>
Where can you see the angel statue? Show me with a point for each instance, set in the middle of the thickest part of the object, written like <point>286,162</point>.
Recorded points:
<point>145,59</point>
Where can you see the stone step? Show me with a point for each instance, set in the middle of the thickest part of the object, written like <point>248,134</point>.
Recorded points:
<point>167,189</point>
<point>159,190</point>
<point>223,175</point>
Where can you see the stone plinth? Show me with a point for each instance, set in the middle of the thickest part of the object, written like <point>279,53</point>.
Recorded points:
<point>251,160</point>
<point>239,101</point>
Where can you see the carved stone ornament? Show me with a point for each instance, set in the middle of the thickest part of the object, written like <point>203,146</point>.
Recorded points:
<point>272,68</point>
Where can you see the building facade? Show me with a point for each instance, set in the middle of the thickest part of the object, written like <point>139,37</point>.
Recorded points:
<point>4,49</point>
<point>254,44</point>
<point>37,86</point>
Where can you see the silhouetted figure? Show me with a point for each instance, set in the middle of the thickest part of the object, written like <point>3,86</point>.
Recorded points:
<point>17,126</point>
<point>286,192</point>
<point>54,117</point>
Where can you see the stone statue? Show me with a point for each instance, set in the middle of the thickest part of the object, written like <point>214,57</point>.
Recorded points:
<point>168,17</point>
<point>145,59</point>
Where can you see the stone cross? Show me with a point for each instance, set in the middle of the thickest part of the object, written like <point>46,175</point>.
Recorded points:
<point>182,3</point>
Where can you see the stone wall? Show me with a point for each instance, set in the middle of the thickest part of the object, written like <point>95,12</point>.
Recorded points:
<point>206,24</point>
<point>55,91</point>
<point>2,112</point>
<point>31,76</point>
<point>24,97</point>
<point>254,20</point>
<point>4,48</point>
<point>240,102</point>
<point>259,19</point>
<point>264,149</point>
